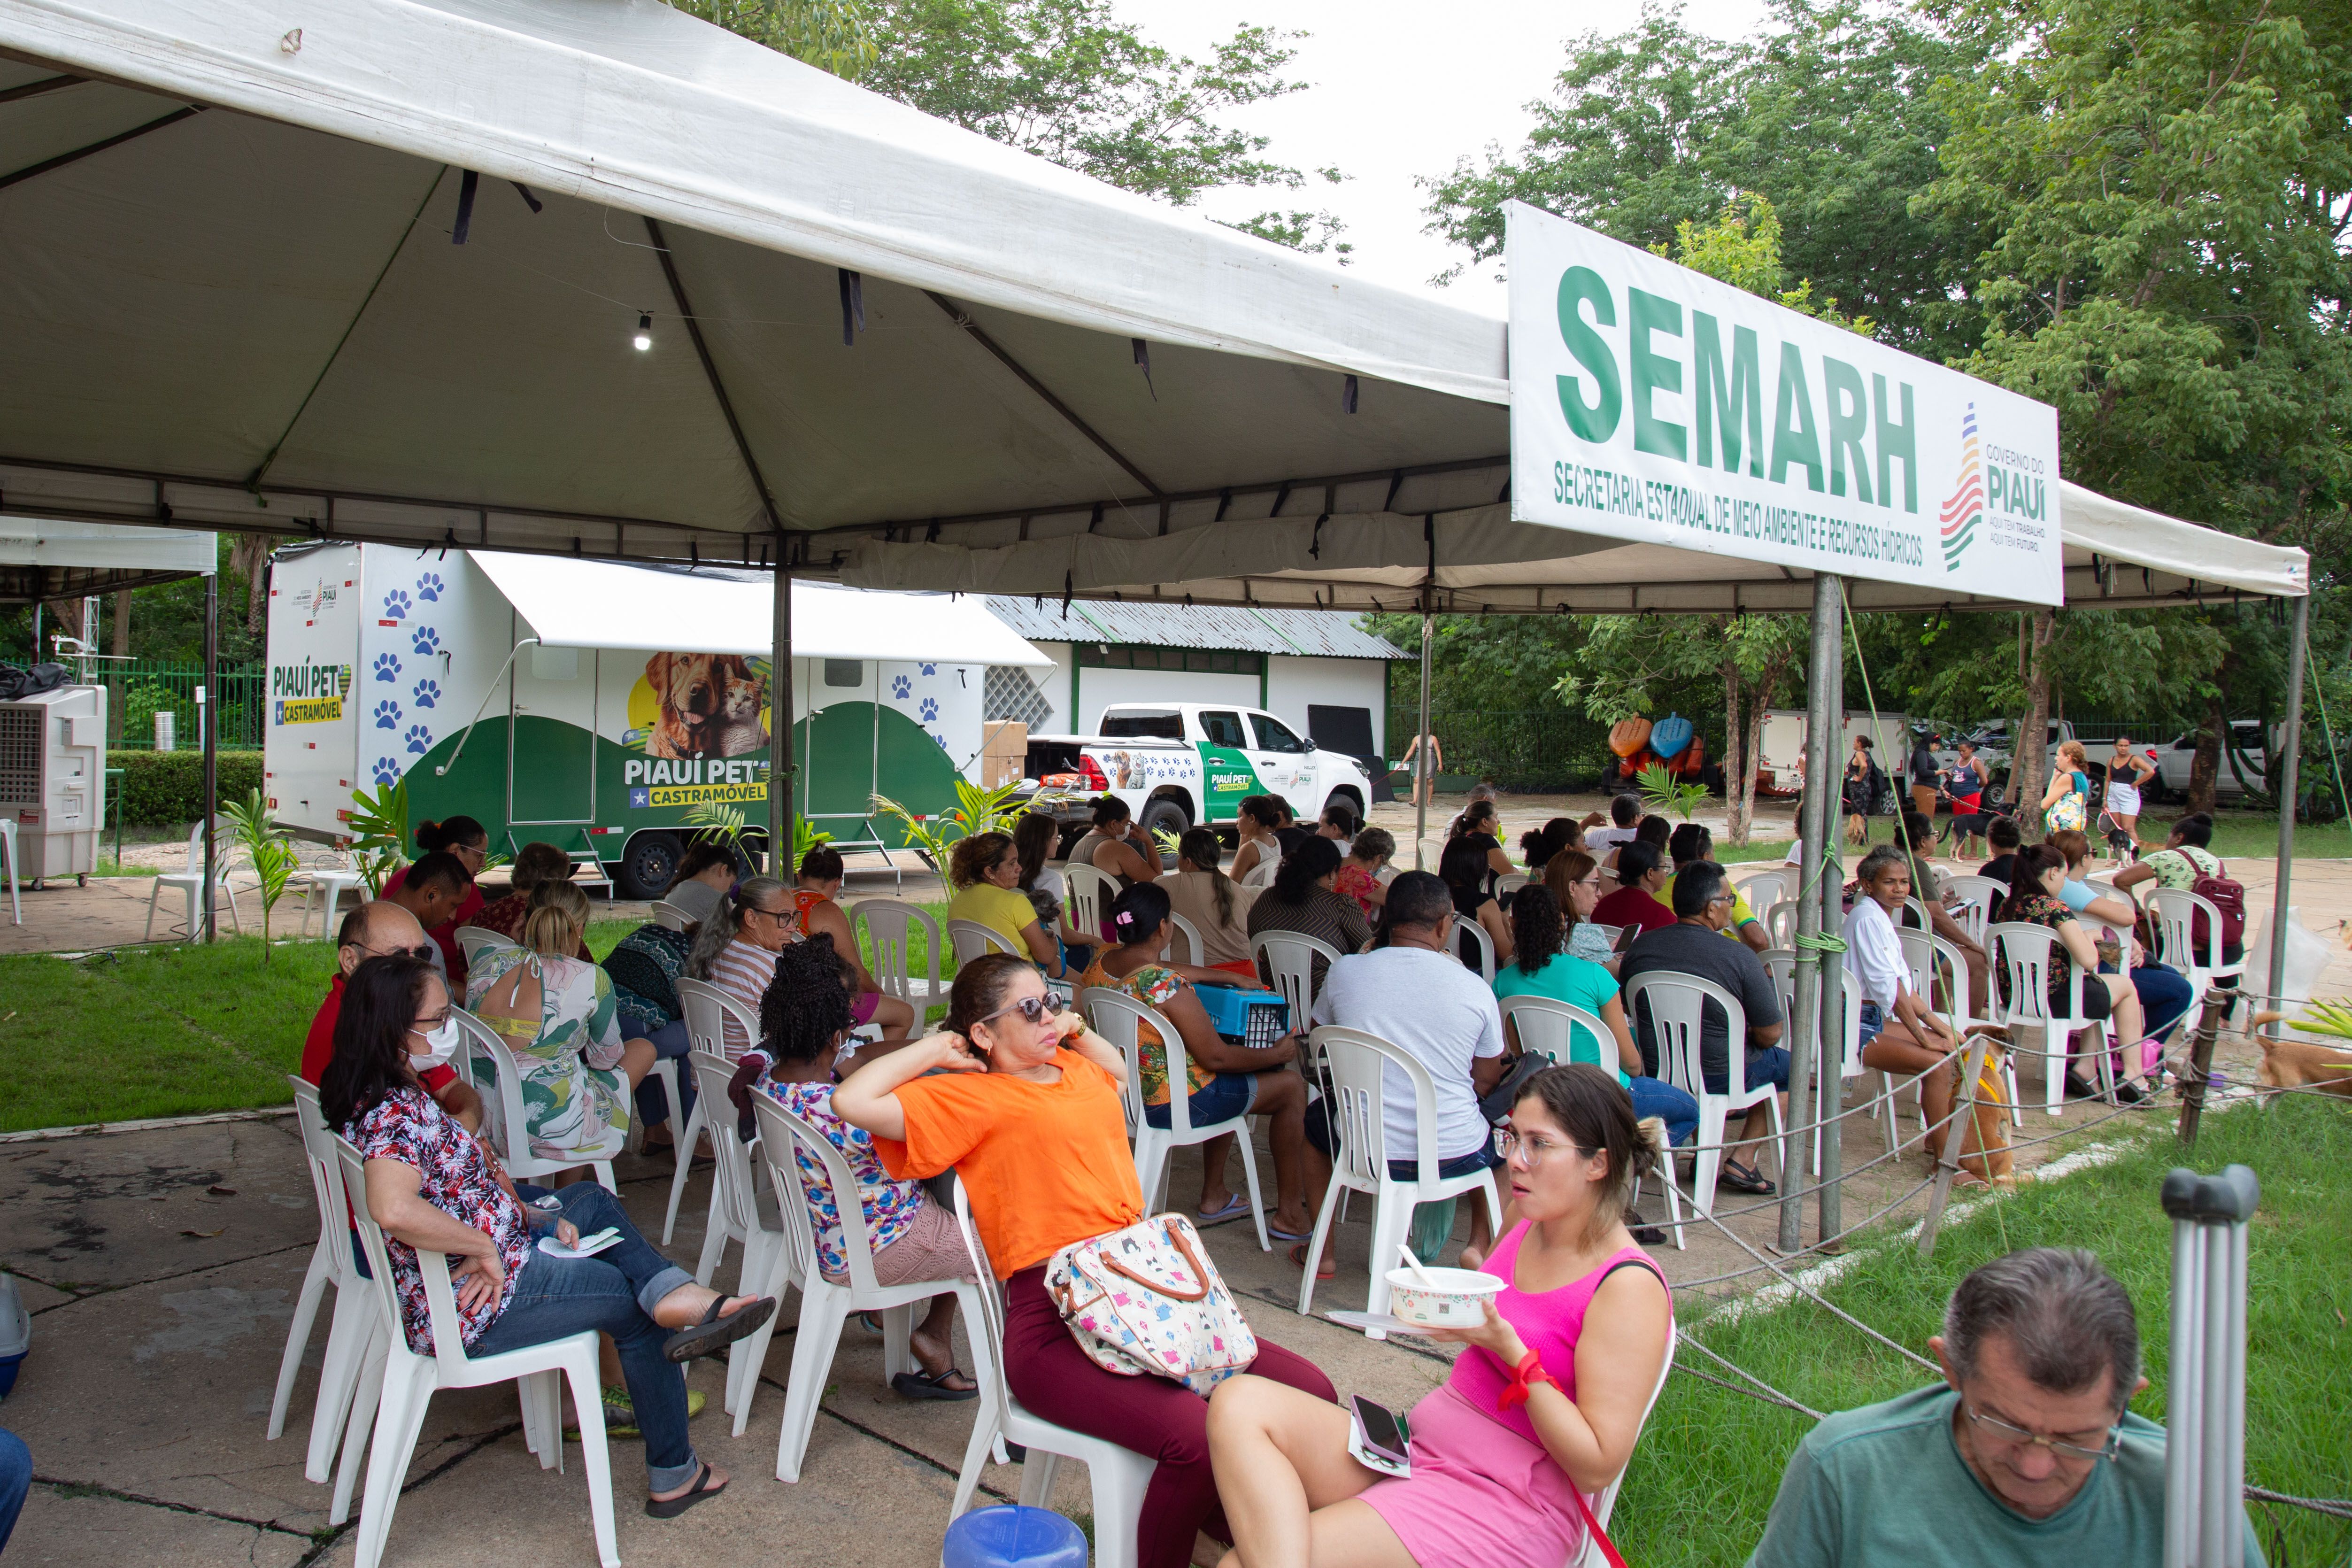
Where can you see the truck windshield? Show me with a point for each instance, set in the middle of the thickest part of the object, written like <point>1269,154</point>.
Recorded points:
<point>1143,724</point>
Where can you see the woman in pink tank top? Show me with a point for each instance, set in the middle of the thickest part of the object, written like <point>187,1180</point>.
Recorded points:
<point>1544,1403</point>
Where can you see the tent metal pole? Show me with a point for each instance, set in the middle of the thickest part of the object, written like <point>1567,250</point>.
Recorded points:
<point>780,716</point>
<point>2286,798</point>
<point>208,726</point>
<point>1421,754</point>
<point>1816,998</point>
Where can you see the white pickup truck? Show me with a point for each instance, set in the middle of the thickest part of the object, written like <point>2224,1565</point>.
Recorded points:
<point>1182,763</point>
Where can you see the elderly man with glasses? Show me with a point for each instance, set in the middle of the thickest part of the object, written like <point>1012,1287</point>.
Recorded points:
<point>2024,1456</point>
<point>379,930</point>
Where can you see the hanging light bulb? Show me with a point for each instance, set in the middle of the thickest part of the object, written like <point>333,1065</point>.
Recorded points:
<point>645,338</point>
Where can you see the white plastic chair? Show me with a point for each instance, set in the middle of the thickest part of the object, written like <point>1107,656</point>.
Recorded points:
<point>1547,1027</point>
<point>1780,923</point>
<point>1605,1501</point>
<point>476,940</point>
<point>705,1009</point>
<point>1511,883</point>
<point>1931,958</point>
<point>2176,910</point>
<point>504,1118</point>
<point>1978,897</point>
<point>1194,950</point>
<point>1358,1064</point>
<point>1830,1090</point>
<point>8,858</point>
<point>669,916</point>
<point>1091,893</point>
<point>1475,934</point>
<point>1262,874</point>
<point>1116,1017</point>
<point>1287,959</point>
<point>333,877</point>
<point>889,924</point>
<point>398,1385</point>
<point>1609,933</point>
<point>970,940</point>
<point>1119,1476</point>
<point>826,1304</point>
<point>190,883</point>
<point>2027,951</point>
<point>741,1212</point>
<point>1677,1007</point>
<point>330,1264</point>
<point>1767,888</point>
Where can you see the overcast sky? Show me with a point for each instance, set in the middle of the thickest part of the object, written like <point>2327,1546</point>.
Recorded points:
<point>1400,90</point>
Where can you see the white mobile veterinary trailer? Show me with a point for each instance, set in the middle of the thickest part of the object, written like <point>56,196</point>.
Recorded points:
<point>593,704</point>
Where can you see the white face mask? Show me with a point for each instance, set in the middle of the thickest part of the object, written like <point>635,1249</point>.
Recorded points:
<point>441,1042</point>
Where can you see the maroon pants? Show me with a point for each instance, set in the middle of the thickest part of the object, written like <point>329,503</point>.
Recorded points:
<point>1054,1380</point>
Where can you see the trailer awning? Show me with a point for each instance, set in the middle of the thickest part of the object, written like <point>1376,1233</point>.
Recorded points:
<point>603,603</point>
<point>44,558</point>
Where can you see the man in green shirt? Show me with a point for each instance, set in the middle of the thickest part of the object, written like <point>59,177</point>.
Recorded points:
<point>2026,1457</point>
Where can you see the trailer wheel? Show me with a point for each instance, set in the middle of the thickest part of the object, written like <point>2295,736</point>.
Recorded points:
<point>648,866</point>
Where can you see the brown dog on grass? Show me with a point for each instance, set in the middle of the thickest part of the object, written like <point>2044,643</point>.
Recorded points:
<point>2301,1064</point>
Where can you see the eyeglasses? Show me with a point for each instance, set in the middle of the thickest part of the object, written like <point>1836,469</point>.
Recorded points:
<point>1034,1009</point>
<point>1534,1149</point>
<point>1996,1427</point>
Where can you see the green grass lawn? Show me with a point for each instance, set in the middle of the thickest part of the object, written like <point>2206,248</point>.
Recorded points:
<point>1711,1460</point>
<point>180,1030</point>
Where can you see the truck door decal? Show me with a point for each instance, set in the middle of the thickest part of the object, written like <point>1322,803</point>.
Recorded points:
<point>1226,779</point>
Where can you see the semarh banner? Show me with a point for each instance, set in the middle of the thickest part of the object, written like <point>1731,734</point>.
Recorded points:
<point>1654,404</point>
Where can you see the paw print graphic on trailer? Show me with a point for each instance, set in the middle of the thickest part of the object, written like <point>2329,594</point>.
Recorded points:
<point>387,667</point>
<point>387,714</point>
<point>428,694</point>
<point>935,735</point>
<point>427,641</point>
<point>387,771</point>
<point>429,586</point>
<point>929,668</point>
<point>930,709</point>
<point>420,739</point>
<point>395,606</point>
<point>900,687</point>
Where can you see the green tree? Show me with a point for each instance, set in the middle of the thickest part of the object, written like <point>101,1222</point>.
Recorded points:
<point>1070,81</point>
<point>1831,116</point>
<point>2169,184</point>
<point>836,35</point>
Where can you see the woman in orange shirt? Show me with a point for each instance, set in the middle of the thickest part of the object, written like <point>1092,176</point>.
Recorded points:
<point>1025,1106</point>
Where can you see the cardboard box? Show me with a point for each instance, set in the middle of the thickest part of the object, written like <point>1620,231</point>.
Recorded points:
<point>1004,752</point>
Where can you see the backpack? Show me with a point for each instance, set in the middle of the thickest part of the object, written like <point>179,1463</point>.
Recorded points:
<point>2228,901</point>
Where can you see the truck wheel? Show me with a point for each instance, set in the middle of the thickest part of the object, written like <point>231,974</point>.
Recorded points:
<point>647,865</point>
<point>1166,815</point>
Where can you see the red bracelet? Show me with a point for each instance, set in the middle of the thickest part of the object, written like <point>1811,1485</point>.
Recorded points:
<point>1528,1374</point>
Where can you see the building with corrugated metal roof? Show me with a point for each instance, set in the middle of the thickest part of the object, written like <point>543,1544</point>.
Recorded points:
<point>1318,671</point>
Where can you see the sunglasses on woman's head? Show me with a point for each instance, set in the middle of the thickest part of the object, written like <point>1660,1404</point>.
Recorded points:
<point>1035,1010</point>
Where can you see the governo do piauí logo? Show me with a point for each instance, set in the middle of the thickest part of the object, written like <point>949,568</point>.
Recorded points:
<point>1965,509</point>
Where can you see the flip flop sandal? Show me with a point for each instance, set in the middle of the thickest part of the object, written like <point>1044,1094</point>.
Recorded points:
<point>686,1500</point>
<point>1298,1256</point>
<point>1275,1233</point>
<point>714,1331</point>
<point>923,1385</point>
<point>1235,1207</point>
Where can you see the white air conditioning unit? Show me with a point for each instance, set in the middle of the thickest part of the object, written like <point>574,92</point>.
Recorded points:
<point>53,778</point>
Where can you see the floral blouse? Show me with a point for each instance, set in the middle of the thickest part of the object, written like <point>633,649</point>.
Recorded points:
<point>573,1091</point>
<point>407,1126</point>
<point>1358,882</point>
<point>1153,986</point>
<point>889,1206</point>
<point>1587,940</point>
<point>2041,910</point>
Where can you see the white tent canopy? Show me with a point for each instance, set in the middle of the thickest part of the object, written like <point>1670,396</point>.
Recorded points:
<point>44,558</point>
<point>603,603</point>
<point>1477,559</point>
<point>232,298</point>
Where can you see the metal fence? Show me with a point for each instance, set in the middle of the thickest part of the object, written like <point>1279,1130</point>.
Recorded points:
<point>136,692</point>
<point>1537,750</point>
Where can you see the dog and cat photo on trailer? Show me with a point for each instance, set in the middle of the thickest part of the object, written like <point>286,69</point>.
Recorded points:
<point>597,705</point>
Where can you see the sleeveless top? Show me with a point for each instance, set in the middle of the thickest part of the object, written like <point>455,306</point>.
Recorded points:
<point>1551,1321</point>
<point>1083,852</point>
<point>803,901</point>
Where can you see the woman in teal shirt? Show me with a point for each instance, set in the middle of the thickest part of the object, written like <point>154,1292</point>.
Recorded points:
<point>1540,969</point>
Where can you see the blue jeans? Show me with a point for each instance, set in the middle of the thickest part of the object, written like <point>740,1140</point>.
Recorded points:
<point>16,1481</point>
<point>670,1044</point>
<point>1768,1064</point>
<point>2164,996</point>
<point>1222,1099</point>
<point>523,1190</point>
<point>617,1291</point>
<point>1319,1133</point>
<point>1655,1097</point>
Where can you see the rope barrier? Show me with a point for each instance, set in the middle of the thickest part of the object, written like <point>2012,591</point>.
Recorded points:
<point>1771,1396</point>
<point>1823,1300</point>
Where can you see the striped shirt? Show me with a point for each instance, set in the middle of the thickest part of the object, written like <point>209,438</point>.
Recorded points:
<point>743,969</point>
